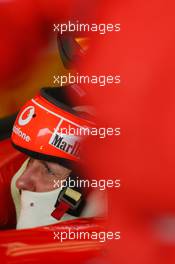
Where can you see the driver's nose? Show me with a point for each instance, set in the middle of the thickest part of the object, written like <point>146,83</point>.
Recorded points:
<point>25,181</point>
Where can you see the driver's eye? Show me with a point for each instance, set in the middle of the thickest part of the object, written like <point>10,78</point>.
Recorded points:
<point>49,170</point>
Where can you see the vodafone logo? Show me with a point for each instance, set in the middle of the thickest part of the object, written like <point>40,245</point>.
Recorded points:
<point>26,115</point>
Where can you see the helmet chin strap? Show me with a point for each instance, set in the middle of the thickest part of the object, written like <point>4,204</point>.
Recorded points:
<point>67,199</point>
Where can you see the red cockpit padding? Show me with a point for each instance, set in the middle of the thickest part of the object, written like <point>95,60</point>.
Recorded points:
<point>10,162</point>
<point>42,245</point>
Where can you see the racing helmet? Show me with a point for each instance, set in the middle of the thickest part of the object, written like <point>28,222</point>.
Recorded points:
<point>48,127</point>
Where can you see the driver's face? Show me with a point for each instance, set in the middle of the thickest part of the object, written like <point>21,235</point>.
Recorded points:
<point>39,176</point>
